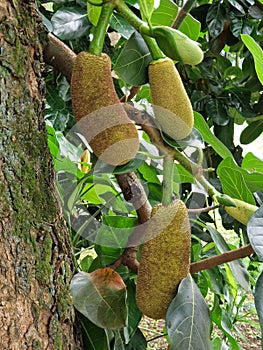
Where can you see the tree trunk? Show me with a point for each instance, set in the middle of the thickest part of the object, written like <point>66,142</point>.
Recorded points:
<point>36,261</point>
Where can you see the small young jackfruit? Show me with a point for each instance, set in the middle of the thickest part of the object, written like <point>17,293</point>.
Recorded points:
<point>101,117</point>
<point>165,258</point>
<point>242,212</point>
<point>171,104</point>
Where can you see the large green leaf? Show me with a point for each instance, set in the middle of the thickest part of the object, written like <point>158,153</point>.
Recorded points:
<point>238,270</point>
<point>259,301</point>
<point>257,54</point>
<point>233,181</point>
<point>216,19</point>
<point>201,125</point>
<point>101,297</point>
<point>216,110</point>
<point>251,180</point>
<point>187,318</point>
<point>121,25</point>
<point>146,9</point>
<point>255,232</point>
<point>131,64</point>
<point>252,163</point>
<point>94,337</point>
<point>70,23</point>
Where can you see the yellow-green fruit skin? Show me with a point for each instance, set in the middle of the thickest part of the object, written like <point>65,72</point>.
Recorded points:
<point>171,104</point>
<point>242,212</point>
<point>165,258</point>
<point>101,117</point>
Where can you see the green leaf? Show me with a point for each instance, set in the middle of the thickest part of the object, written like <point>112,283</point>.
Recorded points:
<point>121,25</point>
<point>134,314</point>
<point>233,181</point>
<point>191,27</point>
<point>253,180</point>
<point>251,132</point>
<point>187,318</point>
<point>257,54</point>
<point>94,337</point>
<point>131,64</point>
<point>216,110</point>
<point>238,270</point>
<point>93,12</point>
<point>259,300</point>
<point>101,297</point>
<point>70,23</point>
<point>164,14</point>
<point>252,163</point>
<point>255,232</point>
<point>216,19</point>
<point>146,9</point>
<point>149,173</point>
<point>181,175</point>
<point>201,125</point>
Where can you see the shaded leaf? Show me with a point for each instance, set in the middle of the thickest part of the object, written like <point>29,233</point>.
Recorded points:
<point>187,318</point>
<point>251,132</point>
<point>255,232</point>
<point>237,268</point>
<point>70,23</point>
<point>94,337</point>
<point>216,110</point>
<point>101,297</point>
<point>121,25</point>
<point>216,19</point>
<point>131,65</point>
<point>259,300</point>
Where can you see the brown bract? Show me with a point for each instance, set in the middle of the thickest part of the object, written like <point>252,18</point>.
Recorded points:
<point>102,119</point>
<point>165,258</point>
<point>171,104</point>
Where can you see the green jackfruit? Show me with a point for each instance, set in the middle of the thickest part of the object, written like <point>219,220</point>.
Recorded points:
<point>171,104</point>
<point>165,258</point>
<point>101,117</point>
<point>242,212</point>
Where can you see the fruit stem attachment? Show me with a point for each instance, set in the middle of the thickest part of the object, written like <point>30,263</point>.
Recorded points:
<point>156,53</point>
<point>96,45</point>
<point>168,171</point>
<point>134,20</point>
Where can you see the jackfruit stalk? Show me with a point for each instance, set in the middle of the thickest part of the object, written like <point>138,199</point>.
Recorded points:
<point>101,117</point>
<point>242,212</point>
<point>165,258</point>
<point>171,104</point>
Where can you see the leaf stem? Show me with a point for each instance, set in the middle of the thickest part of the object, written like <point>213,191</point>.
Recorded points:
<point>97,43</point>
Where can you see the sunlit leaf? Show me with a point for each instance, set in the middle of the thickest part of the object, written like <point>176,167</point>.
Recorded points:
<point>255,232</point>
<point>70,23</point>
<point>187,318</point>
<point>146,8</point>
<point>93,12</point>
<point>131,65</point>
<point>252,163</point>
<point>101,297</point>
<point>256,52</point>
<point>237,268</point>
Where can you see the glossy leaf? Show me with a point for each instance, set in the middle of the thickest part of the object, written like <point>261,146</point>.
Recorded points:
<point>120,25</point>
<point>101,297</point>
<point>131,65</point>
<point>251,132</point>
<point>187,318</point>
<point>217,112</point>
<point>233,182</point>
<point>252,163</point>
<point>70,23</point>
<point>94,337</point>
<point>255,232</point>
<point>259,300</point>
<point>252,181</point>
<point>238,270</point>
<point>216,19</point>
<point>257,54</point>
<point>209,137</point>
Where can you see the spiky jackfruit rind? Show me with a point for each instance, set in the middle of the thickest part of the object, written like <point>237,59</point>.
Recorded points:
<point>242,212</point>
<point>172,107</point>
<point>165,258</point>
<point>95,103</point>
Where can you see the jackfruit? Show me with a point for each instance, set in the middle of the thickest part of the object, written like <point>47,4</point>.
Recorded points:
<point>242,212</point>
<point>172,107</point>
<point>165,258</point>
<point>101,117</point>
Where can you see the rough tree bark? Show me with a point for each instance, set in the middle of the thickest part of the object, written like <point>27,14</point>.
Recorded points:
<point>36,261</point>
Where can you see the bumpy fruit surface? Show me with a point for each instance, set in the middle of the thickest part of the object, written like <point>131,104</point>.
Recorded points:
<point>165,258</point>
<point>171,104</point>
<point>242,212</point>
<point>101,117</point>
